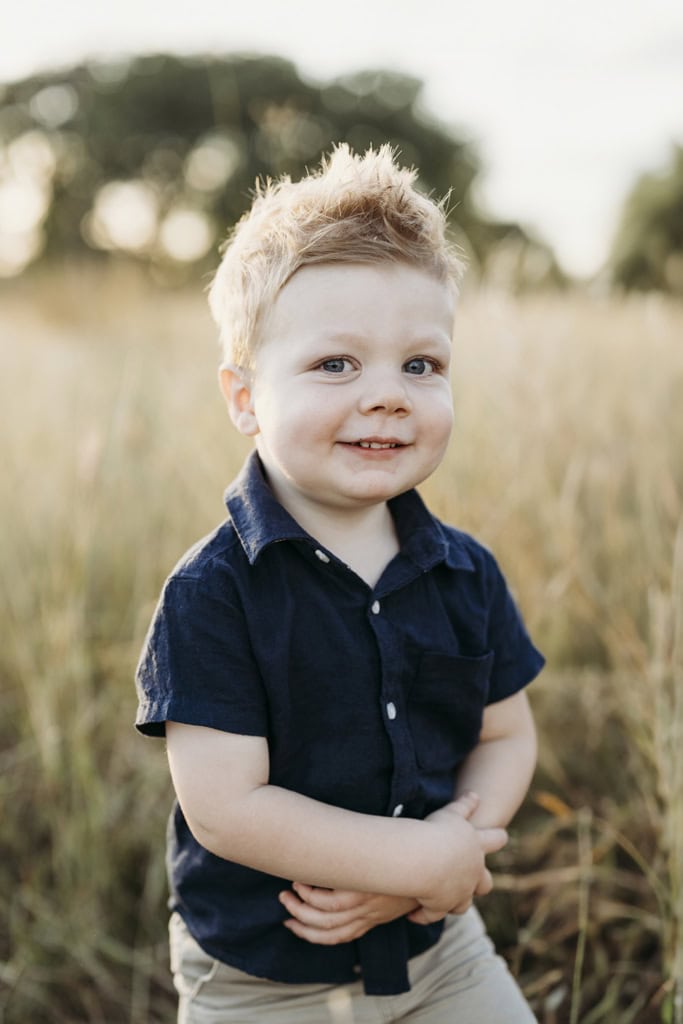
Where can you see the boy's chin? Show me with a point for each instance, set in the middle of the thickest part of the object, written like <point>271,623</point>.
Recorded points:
<point>375,495</point>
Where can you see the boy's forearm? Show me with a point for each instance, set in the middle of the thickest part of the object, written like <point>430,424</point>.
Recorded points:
<point>499,771</point>
<point>294,837</point>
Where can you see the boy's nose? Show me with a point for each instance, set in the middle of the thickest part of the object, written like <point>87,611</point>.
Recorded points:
<point>385,392</point>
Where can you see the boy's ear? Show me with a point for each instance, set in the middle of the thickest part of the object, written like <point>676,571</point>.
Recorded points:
<point>236,385</point>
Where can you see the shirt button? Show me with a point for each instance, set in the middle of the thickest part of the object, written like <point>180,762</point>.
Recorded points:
<point>397,811</point>
<point>321,555</point>
<point>391,711</point>
<point>374,608</point>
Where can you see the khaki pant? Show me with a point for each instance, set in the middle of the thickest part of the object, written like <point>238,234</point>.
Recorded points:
<point>461,980</point>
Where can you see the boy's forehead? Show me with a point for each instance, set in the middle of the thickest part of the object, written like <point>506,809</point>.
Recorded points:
<point>356,307</point>
<point>348,289</point>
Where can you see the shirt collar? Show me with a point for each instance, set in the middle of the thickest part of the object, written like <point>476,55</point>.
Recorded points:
<point>258,517</point>
<point>423,538</point>
<point>260,520</point>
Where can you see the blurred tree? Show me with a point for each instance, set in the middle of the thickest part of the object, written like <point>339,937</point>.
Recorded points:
<point>648,248</point>
<point>157,156</point>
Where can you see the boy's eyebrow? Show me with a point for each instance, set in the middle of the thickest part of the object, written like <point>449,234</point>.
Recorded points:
<point>428,338</point>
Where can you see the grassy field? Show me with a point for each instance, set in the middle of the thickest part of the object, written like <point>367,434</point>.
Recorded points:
<point>566,461</point>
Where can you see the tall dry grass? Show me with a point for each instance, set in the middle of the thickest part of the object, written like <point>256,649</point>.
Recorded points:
<point>566,461</point>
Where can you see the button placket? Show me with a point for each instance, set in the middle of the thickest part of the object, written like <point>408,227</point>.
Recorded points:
<point>391,703</point>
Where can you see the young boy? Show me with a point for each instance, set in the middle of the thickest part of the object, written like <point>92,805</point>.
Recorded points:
<point>339,675</point>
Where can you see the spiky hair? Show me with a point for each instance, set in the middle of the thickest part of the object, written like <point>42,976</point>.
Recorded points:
<point>352,209</point>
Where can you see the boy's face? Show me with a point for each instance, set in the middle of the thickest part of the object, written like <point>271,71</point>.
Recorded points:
<point>350,399</point>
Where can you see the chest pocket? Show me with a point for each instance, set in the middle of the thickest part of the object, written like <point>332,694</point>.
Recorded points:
<point>446,706</point>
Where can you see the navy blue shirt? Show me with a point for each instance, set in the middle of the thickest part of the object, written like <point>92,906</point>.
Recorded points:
<point>369,698</point>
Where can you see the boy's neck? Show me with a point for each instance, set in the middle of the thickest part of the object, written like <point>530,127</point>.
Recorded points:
<point>367,546</point>
<point>364,539</point>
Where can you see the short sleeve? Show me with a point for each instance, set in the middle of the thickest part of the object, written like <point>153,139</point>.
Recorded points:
<point>196,665</point>
<point>516,660</point>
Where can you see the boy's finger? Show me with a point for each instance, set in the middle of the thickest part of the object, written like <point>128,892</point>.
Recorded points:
<point>485,884</point>
<point>492,839</point>
<point>423,916</point>
<point>326,937</point>
<point>328,899</point>
<point>310,916</point>
<point>461,908</point>
<point>466,804</point>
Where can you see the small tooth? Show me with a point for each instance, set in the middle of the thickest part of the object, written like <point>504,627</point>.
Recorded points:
<point>376,445</point>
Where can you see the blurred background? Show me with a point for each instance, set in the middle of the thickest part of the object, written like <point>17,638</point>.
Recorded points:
<point>130,141</point>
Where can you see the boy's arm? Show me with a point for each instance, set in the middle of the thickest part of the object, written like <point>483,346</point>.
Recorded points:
<point>221,780</point>
<point>501,766</point>
<point>498,770</point>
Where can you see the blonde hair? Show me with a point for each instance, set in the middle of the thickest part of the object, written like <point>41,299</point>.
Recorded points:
<point>360,209</point>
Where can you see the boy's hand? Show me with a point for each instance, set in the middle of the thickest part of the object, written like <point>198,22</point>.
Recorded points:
<point>455,895</point>
<point>328,917</point>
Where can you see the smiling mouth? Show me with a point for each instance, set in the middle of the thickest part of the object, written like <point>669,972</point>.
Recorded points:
<point>377,445</point>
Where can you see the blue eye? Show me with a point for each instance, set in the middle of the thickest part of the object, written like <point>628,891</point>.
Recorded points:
<point>419,366</point>
<point>338,365</point>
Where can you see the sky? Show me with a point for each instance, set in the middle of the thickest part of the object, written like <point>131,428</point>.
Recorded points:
<point>565,103</point>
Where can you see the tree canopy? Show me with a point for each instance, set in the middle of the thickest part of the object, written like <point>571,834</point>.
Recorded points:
<point>157,156</point>
<point>648,248</point>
